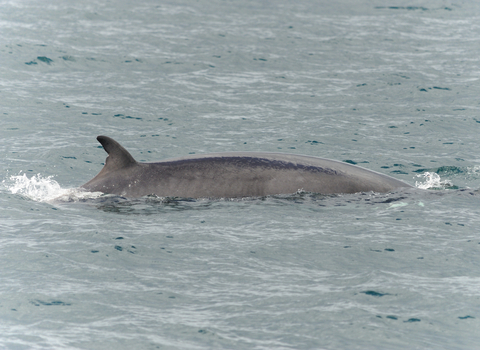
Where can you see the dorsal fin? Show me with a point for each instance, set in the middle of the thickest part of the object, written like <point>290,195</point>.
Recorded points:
<point>118,157</point>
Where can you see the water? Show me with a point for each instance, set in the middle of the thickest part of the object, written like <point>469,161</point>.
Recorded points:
<point>391,88</point>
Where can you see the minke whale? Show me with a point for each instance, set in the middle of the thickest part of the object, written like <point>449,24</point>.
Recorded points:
<point>232,175</point>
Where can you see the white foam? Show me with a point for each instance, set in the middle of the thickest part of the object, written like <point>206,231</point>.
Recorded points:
<point>432,181</point>
<point>473,170</point>
<point>44,189</point>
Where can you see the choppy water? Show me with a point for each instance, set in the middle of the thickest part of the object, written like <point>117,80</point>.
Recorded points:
<point>388,87</point>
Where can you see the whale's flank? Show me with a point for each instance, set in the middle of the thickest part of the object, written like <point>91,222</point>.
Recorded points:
<point>232,174</point>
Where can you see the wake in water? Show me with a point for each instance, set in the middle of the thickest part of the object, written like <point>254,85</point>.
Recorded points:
<point>44,189</point>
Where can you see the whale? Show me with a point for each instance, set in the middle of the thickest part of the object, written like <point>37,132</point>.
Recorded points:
<point>232,175</point>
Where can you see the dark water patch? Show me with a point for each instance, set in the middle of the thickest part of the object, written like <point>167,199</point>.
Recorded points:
<point>49,303</point>
<point>392,199</point>
<point>126,117</point>
<point>435,88</point>
<point>443,170</point>
<point>465,317</point>
<point>408,8</point>
<point>45,59</point>
<point>410,320</point>
<point>374,293</point>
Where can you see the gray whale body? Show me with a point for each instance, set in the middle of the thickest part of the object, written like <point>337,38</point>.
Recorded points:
<point>232,175</point>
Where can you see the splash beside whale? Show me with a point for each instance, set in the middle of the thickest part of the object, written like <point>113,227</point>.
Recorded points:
<point>232,175</point>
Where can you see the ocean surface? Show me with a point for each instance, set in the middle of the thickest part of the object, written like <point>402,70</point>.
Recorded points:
<point>392,86</point>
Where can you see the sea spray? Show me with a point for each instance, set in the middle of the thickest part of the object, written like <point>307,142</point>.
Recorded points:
<point>44,189</point>
<point>433,181</point>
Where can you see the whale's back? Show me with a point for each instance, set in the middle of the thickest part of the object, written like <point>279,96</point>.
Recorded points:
<point>233,174</point>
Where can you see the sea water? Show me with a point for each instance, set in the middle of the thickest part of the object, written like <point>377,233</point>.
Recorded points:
<point>391,87</point>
